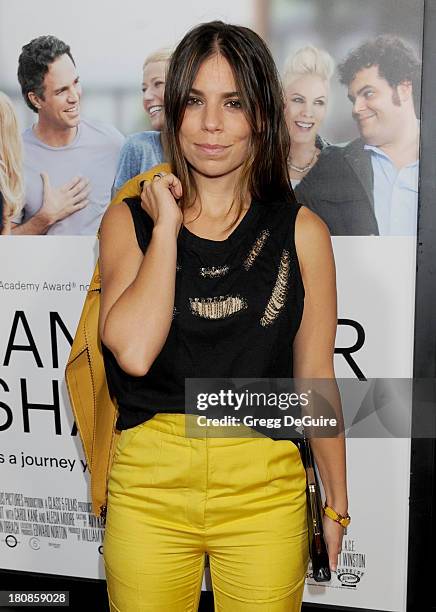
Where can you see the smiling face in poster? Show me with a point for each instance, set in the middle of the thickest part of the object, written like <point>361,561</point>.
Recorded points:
<point>59,106</point>
<point>153,88</point>
<point>379,110</point>
<point>306,105</point>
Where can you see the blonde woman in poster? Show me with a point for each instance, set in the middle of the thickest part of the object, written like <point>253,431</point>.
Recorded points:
<point>307,87</point>
<point>144,150</point>
<point>11,179</point>
<point>215,271</point>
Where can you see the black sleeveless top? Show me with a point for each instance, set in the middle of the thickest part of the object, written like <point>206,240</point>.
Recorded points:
<point>238,305</point>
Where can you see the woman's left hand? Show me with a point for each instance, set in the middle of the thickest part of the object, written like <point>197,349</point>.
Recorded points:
<point>333,534</point>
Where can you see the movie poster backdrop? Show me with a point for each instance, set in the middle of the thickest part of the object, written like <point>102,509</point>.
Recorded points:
<point>46,524</point>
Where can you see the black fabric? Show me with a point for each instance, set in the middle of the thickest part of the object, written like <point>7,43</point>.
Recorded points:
<point>245,344</point>
<point>339,188</point>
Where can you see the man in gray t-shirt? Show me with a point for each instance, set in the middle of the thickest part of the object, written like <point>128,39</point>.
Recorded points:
<point>69,163</point>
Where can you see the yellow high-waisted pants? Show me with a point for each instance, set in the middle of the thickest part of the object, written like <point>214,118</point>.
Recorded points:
<point>174,498</point>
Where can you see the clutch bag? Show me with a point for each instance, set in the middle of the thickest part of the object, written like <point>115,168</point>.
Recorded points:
<point>317,546</point>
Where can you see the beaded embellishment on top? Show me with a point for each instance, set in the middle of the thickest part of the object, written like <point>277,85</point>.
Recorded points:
<point>279,292</point>
<point>217,307</point>
<point>214,272</point>
<point>256,249</point>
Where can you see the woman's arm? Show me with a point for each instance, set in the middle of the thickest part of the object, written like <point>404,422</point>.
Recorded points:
<point>137,297</point>
<point>313,359</point>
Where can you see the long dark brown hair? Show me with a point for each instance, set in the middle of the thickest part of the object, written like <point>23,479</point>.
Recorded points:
<point>265,173</point>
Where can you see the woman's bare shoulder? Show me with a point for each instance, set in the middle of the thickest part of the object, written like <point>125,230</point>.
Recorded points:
<point>118,213</point>
<point>117,225</point>
<point>309,223</point>
<point>117,233</point>
<point>312,236</point>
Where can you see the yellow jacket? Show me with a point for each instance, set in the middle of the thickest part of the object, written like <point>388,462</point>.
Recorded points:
<point>95,412</point>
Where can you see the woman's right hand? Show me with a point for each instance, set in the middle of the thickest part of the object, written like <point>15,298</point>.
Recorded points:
<point>158,199</point>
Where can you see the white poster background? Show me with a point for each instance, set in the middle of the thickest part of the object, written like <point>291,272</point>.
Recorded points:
<point>376,288</point>
<point>45,520</point>
<point>35,260</point>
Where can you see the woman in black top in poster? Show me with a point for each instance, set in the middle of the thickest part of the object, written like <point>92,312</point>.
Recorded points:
<point>214,272</point>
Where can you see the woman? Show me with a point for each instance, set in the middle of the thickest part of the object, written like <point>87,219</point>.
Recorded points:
<point>307,86</point>
<point>11,182</point>
<point>144,150</point>
<point>200,278</point>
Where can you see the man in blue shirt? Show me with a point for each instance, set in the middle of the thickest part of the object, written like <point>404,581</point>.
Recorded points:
<point>370,186</point>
